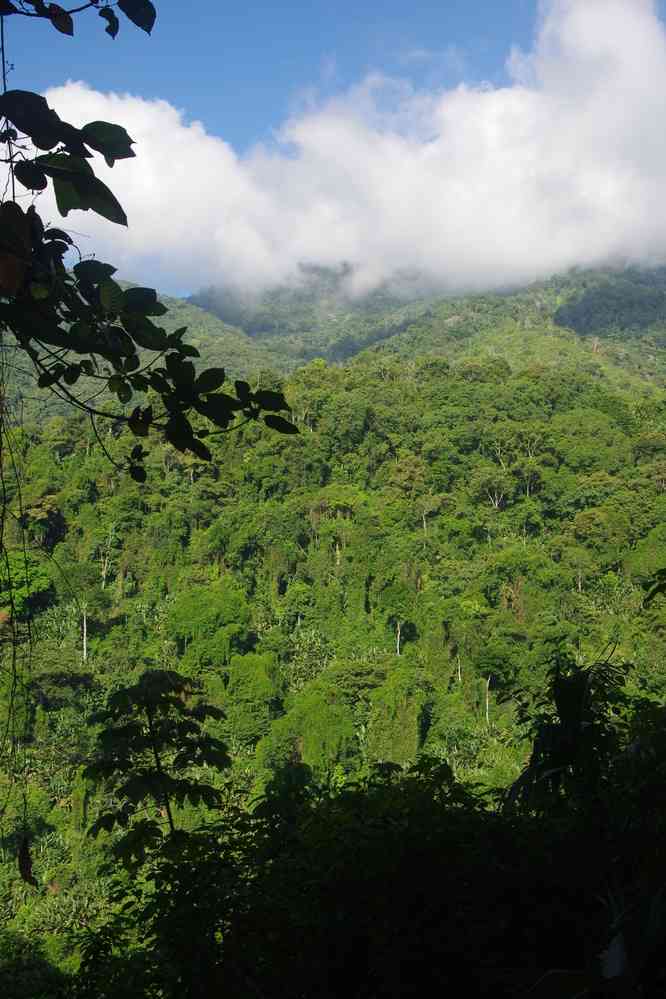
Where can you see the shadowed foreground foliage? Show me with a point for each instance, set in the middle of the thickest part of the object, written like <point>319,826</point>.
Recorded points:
<point>408,883</point>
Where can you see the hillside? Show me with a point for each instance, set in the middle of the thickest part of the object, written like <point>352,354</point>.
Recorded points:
<point>373,609</point>
<point>621,312</point>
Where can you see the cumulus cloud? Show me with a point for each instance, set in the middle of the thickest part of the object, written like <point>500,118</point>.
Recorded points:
<point>469,188</point>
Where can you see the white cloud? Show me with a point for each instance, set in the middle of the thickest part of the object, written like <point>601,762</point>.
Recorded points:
<point>473,187</point>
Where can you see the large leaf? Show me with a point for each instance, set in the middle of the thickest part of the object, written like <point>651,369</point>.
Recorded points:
<point>270,400</point>
<point>110,295</point>
<point>143,332</point>
<point>280,424</point>
<point>76,187</point>
<point>14,229</point>
<point>93,271</point>
<point>143,301</point>
<point>210,380</point>
<point>140,12</point>
<point>178,432</point>
<point>97,197</point>
<point>14,247</point>
<point>110,140</point>
<point>182,372</point>
<point>30,175</point>
<point>32,115</point>
<point>61,19</point>
<point>199,448</point>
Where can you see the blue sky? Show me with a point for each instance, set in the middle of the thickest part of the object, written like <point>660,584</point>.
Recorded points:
<point>395,138</point>
<point>241,68</point>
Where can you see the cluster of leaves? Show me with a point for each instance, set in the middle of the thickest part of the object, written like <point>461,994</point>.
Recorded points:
<point>81,324</point>
<point>150,741</point>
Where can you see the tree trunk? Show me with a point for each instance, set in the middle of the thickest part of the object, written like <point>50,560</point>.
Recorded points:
<point>85,634</point>
<point>398,630</point>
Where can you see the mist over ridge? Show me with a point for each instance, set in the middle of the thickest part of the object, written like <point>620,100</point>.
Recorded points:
<point>471,188</point>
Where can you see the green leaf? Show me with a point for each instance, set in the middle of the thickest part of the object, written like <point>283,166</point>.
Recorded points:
<point>112,22</point>
<point>110,140</point>
<point>77,187</point>
<point>110,295</point>
<point>30,175</point>
<point>93,271</point>
<point>60,19</point>
<point>280,424</point>
<point>210,380</point>
<point>143,301</point>
<point>140,12</point>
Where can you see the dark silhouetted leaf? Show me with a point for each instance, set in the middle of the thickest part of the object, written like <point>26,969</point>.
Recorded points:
<point>138,473</point>
<point>242,391</point>
<point>60,19</point>
<point>270,400</point>
<point>178,432</point>
<point>143,301</point>
<point>280,424</point>
<point>144,333</point>
<point>110,140</point>
<point>139,425</point>
<point>93,271</point>
<point>48,378</point>
<point>199,448</point>
<point>210,380</point>
<point>31,115</point>
<point>182,372</point>
<point>110,295</point>
<point>76,186</point>
<point>112,22</point>
<point>30,175</point>
<point>59,234</point>
<point>187,350</point>
<point>140,12</point>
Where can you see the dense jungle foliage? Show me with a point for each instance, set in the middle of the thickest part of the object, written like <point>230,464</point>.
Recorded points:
<point>363,710</point>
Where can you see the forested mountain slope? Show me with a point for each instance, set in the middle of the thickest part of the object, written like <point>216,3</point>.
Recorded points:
<point>479,497</point>
<point>625,308</point>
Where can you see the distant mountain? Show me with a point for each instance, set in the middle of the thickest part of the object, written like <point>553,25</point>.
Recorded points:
<point>617,315</point>
<point>289,326</point>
